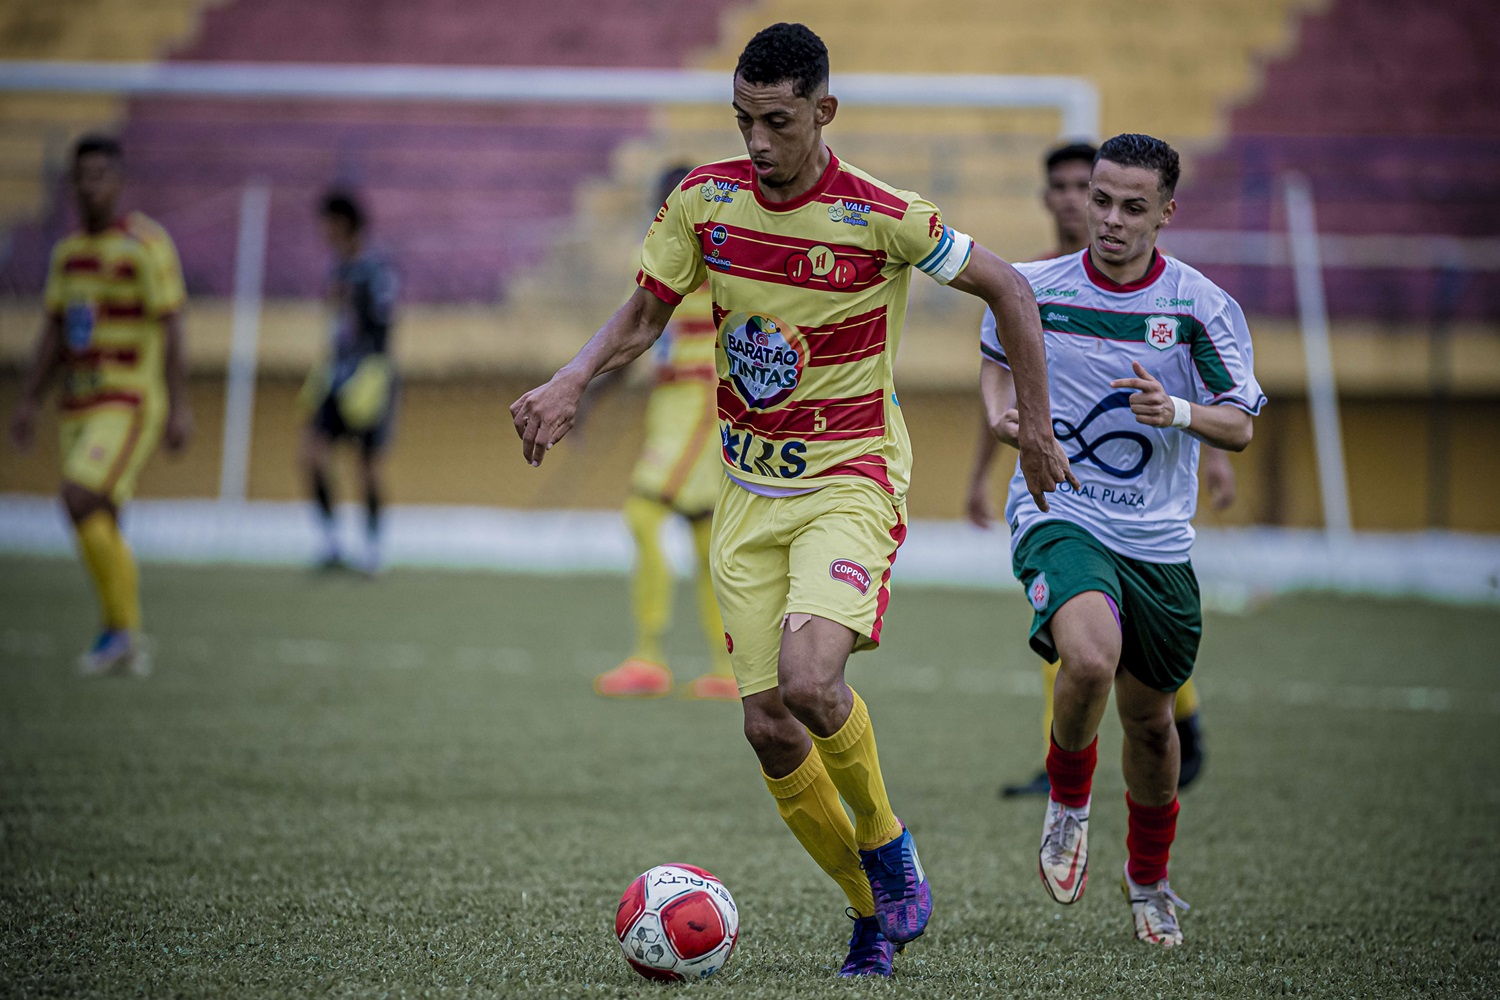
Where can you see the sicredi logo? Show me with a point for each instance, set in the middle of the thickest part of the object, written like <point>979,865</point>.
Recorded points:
<point>852,573</point>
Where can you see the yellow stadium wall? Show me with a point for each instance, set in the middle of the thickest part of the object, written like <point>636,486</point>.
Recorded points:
<point>454,445</point>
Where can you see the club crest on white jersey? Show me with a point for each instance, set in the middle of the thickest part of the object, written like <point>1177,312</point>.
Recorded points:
<point>1161,331</point>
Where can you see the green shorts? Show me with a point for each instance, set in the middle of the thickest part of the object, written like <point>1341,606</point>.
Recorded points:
<point>1161,618</point>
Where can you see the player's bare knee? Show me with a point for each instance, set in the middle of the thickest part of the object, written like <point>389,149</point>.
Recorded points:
<point>1149,728</point>
<point>771,734</point>
<point>80,502</point>
<point>815,703</point>
<point>1090,670</point>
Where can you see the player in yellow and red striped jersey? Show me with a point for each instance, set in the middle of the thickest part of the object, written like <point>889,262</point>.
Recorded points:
<point>678,473</point>
<point>113,330</point>
<point>809,261</point>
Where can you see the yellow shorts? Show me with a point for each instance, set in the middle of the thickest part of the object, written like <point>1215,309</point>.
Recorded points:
<point>826,553</point>
<point>105,447</point>
<point>681,464</point>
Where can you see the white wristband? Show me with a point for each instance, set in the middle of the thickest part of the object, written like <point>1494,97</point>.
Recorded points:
<point>1183,415</point>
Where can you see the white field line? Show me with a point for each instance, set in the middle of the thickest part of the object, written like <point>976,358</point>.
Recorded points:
<point>1236,567</point>
<point>18,646</point>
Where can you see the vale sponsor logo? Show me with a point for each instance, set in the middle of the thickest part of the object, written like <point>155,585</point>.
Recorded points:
<point>719,191</point>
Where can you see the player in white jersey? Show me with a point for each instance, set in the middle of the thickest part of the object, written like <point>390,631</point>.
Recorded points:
<point>1066,198</point>
<point>1146,358</point>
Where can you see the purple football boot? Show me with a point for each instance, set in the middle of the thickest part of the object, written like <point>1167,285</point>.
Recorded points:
<point>870,954</point>
<point>903,900</point>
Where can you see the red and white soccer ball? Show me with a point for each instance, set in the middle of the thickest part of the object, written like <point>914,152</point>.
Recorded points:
<point>677,922</point>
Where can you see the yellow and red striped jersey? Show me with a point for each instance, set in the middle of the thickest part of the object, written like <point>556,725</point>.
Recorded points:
<point>685,352</point>
<point>111,290</point>
<point>809,299</point>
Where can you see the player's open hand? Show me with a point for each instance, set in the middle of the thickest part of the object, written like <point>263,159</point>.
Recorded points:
<point>977,506</point>
<point>1045,466</point>
<point>179,429</point>
<point>543,415</point>
<point>23,425</point>
<point>1150,403</point>
<point>1218,476</point>
<point>1008,430</point>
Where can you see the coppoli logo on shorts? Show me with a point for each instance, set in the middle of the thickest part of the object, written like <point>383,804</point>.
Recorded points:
<point>851,573</point>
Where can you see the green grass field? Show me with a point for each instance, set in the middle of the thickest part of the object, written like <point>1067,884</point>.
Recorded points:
<point>406,788</point>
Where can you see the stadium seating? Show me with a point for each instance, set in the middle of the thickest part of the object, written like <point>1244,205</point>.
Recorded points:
<point>463,196</point>
<point>1390,112</point>
<point>37,130</point>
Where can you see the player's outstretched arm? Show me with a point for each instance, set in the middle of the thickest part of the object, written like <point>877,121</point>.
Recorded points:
<point>1019,325</point>
<point>1227,427</point>
<point>179,414</point>
<point>546,413</point>
<point>48,358</point>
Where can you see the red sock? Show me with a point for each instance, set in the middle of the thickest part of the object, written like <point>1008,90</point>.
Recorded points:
<point>1071,773</point>
<point>1152,829</point>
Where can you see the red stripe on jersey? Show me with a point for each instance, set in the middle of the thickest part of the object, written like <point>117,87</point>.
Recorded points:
<point>846,186</point>
<point>657,288</point>
<point>686,373</point>
<point>735,171</point>
<point>866,467</point>
<point>883,596</point>
<point>121,310</point>
<point>695,327</point>
<point>101,399</point>
<point>96,355</point>
<point>787,260</point>
<point>124,271</point>
<point>811,419</point>
<point>82,265</point>
<point>853,339</point>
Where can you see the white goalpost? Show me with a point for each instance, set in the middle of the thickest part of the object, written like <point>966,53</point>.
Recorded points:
<point>1076,101</point>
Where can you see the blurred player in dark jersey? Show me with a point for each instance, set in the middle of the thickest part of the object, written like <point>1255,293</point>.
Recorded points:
<point>352,394</point>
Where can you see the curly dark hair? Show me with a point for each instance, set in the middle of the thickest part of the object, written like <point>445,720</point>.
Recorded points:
<point>1132,149</point>
<point>96,142</point>
<point>340,204</point>
<point>785,52</point>
<point>1072,151</point>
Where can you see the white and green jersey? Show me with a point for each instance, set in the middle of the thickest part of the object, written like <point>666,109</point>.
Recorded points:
<point>1139,484</point>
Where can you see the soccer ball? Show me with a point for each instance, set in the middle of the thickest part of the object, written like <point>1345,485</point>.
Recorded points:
<point>677,922</point>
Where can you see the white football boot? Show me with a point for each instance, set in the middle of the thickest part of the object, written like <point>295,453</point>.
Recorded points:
<point>1155,910</point>
<point>116,653</point>
<point>1064,857</point>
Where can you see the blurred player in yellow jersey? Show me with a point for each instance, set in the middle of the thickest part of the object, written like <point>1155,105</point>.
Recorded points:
<point>114,298</point>
<point>678,473</point>
<point>1066,199</point>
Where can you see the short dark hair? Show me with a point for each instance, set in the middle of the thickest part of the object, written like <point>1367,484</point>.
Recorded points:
<point>344,205</point>
<point>1132,149</point>
<point>670,180</point>
<point>785,52</point>
<point>1072,152</point>
<point>95,142</point>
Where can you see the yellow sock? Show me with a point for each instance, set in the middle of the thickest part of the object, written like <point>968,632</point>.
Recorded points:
<point>810,807</point>
<point>651,583</point>
<point>1187,700</point>
<point>112,566</point>
<point>708,605</point>
<point>854,767</point>
<point>1049,685</point>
